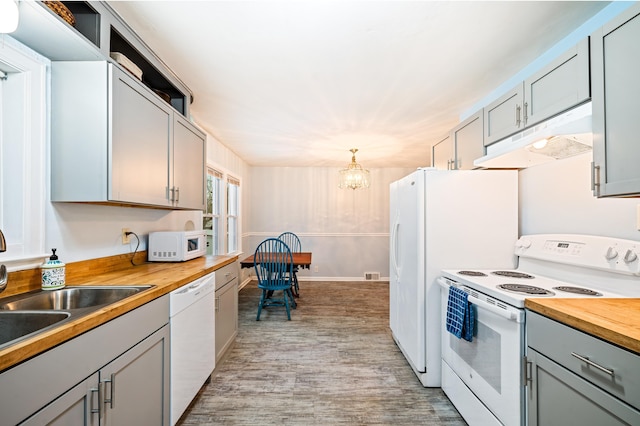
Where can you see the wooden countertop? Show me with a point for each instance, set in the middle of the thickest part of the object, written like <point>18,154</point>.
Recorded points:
<point>165,276</point>
<point>615,320</point>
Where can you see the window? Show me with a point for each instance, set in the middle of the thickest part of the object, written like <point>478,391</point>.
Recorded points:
<point>233,191</point>
<point>211,215</point>
<point>23,126</point>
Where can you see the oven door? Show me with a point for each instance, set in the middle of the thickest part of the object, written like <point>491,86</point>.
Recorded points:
<point>490,365</point>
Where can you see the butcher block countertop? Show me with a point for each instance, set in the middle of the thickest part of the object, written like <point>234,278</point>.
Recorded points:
<point>165,277</point>
<point>615,320</point>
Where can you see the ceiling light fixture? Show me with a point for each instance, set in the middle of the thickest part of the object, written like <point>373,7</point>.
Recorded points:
<point>354,176</point>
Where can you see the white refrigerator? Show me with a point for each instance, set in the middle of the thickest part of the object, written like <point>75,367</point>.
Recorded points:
<point>442,219</point>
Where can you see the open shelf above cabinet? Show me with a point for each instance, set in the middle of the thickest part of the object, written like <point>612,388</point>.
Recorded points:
<point>151,77</point>
<point>48,34</point>
<point>97,32</point>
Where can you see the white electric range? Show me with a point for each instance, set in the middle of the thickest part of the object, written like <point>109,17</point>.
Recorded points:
<point>483,378</point>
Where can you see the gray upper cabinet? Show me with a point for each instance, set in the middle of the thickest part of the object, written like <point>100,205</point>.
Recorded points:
<point>503,117</point>
<point>467,140</point>
<point>562,84</point>
<point>463,145</point>
<point>559,86</point>
<point>442,154</point>
<point>115,141</point>
<point>615,68</point>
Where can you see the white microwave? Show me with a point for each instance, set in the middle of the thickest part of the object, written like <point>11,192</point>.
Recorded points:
<point>176,246</point>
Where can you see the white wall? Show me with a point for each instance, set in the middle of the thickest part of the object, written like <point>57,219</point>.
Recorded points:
<point>556,197</point>
<point>347,231</point>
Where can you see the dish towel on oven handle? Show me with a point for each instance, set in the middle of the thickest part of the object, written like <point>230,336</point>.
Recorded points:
<point>460,314</point>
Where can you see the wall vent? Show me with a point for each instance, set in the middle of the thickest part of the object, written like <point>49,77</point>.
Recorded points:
<point>372,276</point>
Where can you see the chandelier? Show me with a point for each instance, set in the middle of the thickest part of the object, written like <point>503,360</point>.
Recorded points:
<point>354,176</point>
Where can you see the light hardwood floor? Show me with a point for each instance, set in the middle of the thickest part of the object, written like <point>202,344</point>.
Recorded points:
<point>334,363</point>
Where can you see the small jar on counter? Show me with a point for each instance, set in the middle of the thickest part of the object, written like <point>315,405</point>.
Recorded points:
<point>53,273</point>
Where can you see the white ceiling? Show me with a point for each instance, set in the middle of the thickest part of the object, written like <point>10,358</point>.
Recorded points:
<point>299,83</point>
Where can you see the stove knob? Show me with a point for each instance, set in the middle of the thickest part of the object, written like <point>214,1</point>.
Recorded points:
<point>523,243</point>
<point>611,253</point>
<point>630,256</point>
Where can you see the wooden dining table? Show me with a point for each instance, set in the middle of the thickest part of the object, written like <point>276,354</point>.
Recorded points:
<point>300,260</point>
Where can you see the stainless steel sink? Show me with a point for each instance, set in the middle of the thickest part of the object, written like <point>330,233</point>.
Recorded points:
<point>70,298</point>
<point>21,324</point>
<point>25,315</point>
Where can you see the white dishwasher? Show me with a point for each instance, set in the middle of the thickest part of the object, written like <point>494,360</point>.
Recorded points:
<point>193,349</point>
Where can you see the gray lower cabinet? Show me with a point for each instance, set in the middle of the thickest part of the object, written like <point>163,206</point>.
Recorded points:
<point>576,379</point>
<point>557,87</point>
<point>115,374</point>
<point>226,308</point>
<point>115,141</point>
<point>615,67</point>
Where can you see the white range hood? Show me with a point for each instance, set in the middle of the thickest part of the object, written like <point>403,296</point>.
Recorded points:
<point>566,135</point>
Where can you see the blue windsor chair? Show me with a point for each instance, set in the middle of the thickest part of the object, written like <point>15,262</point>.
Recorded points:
<point>273,264</point>
<point>293,242</point>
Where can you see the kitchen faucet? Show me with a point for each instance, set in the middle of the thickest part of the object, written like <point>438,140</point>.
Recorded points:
<point>3,269</point>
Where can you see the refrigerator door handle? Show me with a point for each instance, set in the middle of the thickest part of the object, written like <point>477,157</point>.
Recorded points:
<point>394,245</point>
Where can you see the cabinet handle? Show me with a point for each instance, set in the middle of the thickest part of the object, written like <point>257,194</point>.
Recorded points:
<point>217,304</point>
<point>527,374</point>
<point>112,381</point>
<point>98,410</point>
<point>526,114</point>
<point>172,191</point>
<point>593,364</point>
<point>177,195</point>
<point>518,115</point>
<point>595,179</point>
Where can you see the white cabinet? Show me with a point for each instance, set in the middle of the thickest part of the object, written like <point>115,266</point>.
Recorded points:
<point>615,68</point>
<point>559,86</point>
<point>115,374</point>
<point>575,378</point>
<point>226,308</point>
<point>462,146</point>
<point>115,141</point>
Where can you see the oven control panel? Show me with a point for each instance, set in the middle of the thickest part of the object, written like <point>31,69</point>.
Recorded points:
<point>610,254</point>
<point>563,247</point>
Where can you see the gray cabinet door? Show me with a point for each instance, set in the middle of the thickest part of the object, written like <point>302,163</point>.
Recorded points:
<point>226,316</point>
<point>442,154</point>
<point>74,408</point>
<point>504,116</point>
<point>468,141</point>
<point>135,384</point>
<point>615,67</point>
<point>189,165</point>
<point>559,397</point>
<point>561,85</point>
<point>140,143</point>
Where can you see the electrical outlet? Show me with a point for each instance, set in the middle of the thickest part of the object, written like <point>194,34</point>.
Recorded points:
<point>315,269</point>
<point>126,239</point>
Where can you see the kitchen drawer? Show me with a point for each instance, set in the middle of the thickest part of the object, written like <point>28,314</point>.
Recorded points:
<point>562,343</point>
<point>226,274</point>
